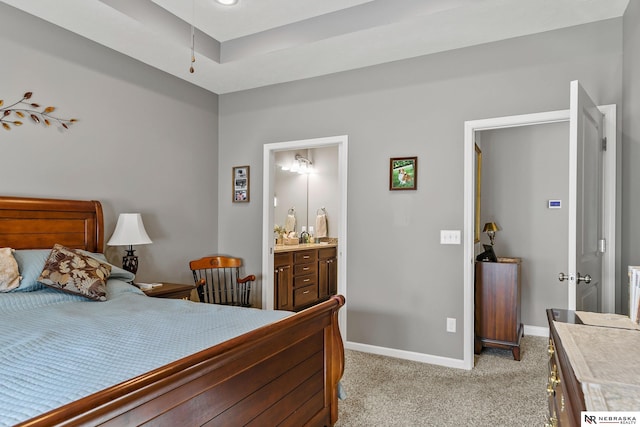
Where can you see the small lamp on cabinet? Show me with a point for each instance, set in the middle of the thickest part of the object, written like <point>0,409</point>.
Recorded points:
<point>490,228</point>
<point>129,231</point>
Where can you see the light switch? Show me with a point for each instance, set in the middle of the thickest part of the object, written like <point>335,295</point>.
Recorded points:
<point>449,237</point>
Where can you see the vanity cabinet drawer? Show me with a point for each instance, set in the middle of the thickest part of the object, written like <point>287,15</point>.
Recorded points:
<point>300,257</point>
<point>283,258</point>
<point>302,269</point>
<point>300,281</point>
<point>305,295</point>
<point>327,253</point>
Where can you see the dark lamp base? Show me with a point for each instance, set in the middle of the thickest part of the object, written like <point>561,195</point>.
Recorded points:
<point>130,261</point>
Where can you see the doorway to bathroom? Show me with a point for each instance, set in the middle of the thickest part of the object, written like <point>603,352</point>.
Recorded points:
<point>269,175</point>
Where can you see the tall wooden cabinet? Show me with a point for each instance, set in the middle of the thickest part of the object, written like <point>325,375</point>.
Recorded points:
<point>304,276</point>
<point>497,308</point>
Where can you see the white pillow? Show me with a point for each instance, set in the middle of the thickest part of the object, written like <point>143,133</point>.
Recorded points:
<point>9,274</point>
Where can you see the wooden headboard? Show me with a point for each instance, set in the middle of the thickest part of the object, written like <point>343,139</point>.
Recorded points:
<point>28,223</point>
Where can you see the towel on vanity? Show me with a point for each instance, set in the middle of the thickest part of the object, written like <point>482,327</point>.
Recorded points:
<point>321,225</point>
<point>290,223</point>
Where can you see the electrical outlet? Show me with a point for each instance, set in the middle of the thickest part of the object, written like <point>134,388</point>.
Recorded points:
<point>451,324</point>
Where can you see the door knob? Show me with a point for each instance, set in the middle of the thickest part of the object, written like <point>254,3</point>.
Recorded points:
<point>586,278</point>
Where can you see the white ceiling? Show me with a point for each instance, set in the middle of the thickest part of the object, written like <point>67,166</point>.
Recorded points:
<point>263,42</point>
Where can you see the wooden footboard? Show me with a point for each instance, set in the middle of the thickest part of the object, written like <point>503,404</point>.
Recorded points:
<point>285,374</point>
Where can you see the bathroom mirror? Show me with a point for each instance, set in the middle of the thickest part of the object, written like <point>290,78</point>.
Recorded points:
<point>313,186</point>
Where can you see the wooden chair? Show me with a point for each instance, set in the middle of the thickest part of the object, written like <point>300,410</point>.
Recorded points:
<point>218,281</point>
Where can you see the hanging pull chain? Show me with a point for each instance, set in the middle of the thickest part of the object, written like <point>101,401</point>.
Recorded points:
<point>193,37</point>
<point>193,55</point>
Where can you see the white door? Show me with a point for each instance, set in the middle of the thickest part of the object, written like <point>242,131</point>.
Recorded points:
<point>586,244</point>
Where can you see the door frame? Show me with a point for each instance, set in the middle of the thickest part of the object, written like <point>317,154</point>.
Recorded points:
<point>269,167</point>
<point>609,214</point>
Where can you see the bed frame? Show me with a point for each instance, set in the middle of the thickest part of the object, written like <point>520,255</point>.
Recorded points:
<point>285,373</point>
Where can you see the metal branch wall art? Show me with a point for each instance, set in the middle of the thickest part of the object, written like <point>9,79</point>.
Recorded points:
<point>30,110</point>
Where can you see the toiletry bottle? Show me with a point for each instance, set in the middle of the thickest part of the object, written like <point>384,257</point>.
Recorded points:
<point>304,236</point>
<point>311,238</point>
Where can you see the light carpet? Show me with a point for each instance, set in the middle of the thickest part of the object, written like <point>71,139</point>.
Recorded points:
<point>499,391</point>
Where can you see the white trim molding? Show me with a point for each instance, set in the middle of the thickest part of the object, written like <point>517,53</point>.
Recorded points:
<point>406,355</point>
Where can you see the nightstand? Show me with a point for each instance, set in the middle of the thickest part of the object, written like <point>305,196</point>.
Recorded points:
<point>171,290</point>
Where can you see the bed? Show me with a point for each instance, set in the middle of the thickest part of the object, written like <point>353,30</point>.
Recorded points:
<point>285,372</point>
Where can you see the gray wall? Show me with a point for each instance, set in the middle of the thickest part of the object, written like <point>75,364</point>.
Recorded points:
<point>630,200</point>
<point>523,168</point>
<point>402,284</point>
<point>145,141</point>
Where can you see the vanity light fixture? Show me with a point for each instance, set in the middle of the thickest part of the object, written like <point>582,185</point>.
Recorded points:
<point>303,165</point>
<point>227,2</point>
<point>300,164</point>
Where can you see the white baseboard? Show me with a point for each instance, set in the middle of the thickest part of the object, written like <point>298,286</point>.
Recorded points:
<point>407,355</point>
<point>536,331</point>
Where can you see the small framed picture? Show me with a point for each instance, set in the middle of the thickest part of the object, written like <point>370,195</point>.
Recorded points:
<point>403,173</point>
<point>240,184</point>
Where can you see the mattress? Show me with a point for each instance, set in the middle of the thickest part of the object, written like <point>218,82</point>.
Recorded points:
<point>56,347</point>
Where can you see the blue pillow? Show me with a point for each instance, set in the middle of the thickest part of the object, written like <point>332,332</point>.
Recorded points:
<point>30,264</point>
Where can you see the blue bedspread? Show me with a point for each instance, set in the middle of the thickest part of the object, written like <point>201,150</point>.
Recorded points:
<point>56,348</point>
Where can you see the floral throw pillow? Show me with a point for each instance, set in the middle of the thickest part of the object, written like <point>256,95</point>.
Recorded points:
<point>72,271</point>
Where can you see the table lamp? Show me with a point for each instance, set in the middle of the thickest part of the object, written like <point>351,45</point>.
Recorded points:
<point>490,228</point>
<point>129,231</point>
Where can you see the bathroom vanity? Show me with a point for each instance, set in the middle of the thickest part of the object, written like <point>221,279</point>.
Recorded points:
<point>304,275</point>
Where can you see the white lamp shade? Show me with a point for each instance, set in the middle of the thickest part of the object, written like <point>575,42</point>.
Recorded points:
<point>129,231</point>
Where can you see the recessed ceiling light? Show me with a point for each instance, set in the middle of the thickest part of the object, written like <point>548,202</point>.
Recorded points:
<point>227,2</point>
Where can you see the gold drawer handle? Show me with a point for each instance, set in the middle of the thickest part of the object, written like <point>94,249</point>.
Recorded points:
<point>306,268</point>
<point>305,292</point>
<point>306,280</point>
<point>554,380</point>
